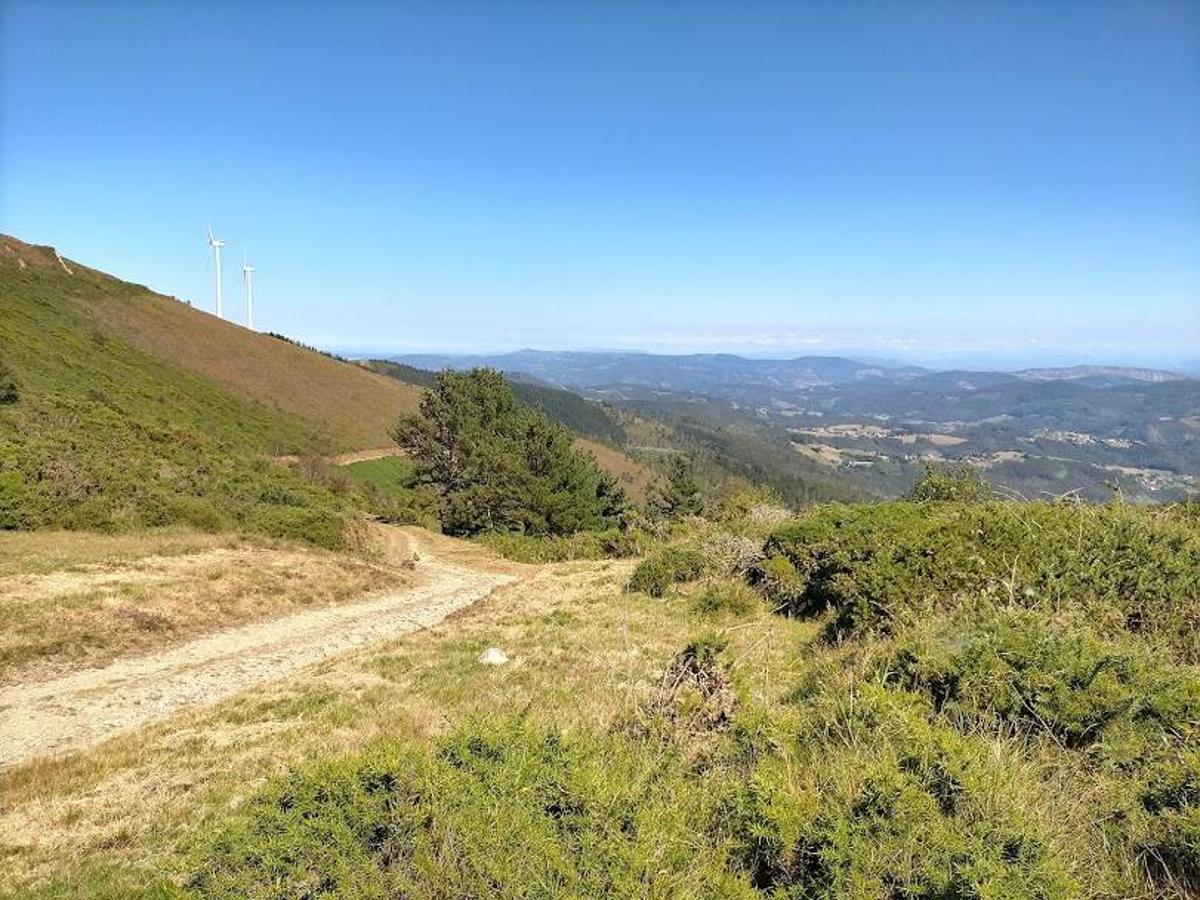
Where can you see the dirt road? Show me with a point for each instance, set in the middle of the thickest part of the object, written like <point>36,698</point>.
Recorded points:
<point>82,708</point>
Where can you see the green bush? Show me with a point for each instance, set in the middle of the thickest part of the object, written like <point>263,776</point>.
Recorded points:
<point>959,483</point>
<point>1013,669</point>
<point>1166,822</point>
<point>9,389</point>
<point>880,567</point>
<point>728,596</point>
<point>612,543</point>
<point>659,572</point>
<point>877,801</point>
<point>490,811</point>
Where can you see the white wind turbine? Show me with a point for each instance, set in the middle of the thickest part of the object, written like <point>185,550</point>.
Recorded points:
<point>248,273</point>
<point>216,244</point>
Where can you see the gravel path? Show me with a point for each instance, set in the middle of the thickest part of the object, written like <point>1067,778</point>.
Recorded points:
<point>85,707</point>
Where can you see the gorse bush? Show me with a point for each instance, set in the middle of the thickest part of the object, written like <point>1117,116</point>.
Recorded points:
<point>1012,669</point>
<point>727,596</point>
<point>661,570</point>
<point>1164,822</point>
<point>9,389</point>
<point>1121,705</point>
<point>959,483</point>
<point>490,811</point>
<point>880,567</point>
<point>499,466</point>
<point>877,801</point>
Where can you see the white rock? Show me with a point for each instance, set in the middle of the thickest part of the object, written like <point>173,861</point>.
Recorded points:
<point>493,656</point>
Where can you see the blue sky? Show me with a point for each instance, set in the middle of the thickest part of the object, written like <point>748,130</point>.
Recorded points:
<point>905,178</point>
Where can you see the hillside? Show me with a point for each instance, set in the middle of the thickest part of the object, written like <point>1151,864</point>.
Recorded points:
<point>895,700</point>
<point>134,409</point>
<point>342,407</point>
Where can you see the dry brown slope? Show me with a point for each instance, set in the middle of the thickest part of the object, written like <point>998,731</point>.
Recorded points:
<point>348,407</point>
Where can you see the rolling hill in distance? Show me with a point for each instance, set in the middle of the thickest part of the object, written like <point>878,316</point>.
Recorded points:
<point>1090,429</point>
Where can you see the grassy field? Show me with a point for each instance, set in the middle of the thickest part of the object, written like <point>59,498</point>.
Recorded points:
<point>982,744</point>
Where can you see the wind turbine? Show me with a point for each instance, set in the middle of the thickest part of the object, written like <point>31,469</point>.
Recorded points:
<point>248,273</point>
<point>216,244</point>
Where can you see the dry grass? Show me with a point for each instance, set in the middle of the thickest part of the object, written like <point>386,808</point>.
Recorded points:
<point>349,407</point>
<point>43,552</point>
<point>634,476</point>
<point>72,600</point>
<point>581,652</point>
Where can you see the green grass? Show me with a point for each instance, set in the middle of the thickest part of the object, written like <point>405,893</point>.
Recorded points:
<point>390,491</point>
<point>388,473</point>
<point>611,543</point>
<point>106,436</point>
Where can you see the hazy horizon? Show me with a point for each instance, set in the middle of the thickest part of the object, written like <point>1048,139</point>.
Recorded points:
<point>1185,362</point>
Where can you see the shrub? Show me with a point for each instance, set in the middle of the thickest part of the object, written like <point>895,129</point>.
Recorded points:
<point>1123,569</point>
<point>959,483</point>
<point>490,811</point>
<point>730,554</point>
<point>657,573</point>
<point>1116,701</point>
<point>316,526</point>
<point>1166,822</point>
<point>1013,669</point>
<point>876,801</point>
<point>9,389</point>
<point>728,596</point>
<point>612,543</point>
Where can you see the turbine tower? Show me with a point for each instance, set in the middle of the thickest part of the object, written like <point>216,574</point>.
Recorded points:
<point>216,244</point>
<point>248,273</point>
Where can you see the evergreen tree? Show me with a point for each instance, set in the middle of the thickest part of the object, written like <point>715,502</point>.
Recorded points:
<point>679,494</point>
<point>497,465</point>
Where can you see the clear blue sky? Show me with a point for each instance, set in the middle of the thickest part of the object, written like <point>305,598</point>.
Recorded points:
<point>902,176</point>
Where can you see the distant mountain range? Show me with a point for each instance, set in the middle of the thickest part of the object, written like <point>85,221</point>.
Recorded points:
<point>706,372</point>
<point>1090,429</point>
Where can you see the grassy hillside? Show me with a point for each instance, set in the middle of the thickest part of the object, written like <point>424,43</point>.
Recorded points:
<point>131,409</point>
<point>342,405</point>
<point>962,700</point>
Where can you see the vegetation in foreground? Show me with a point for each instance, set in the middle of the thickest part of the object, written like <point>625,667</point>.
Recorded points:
<point>983,738</point>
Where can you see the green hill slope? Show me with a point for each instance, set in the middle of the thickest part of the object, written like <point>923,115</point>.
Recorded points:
<point>132,409</point>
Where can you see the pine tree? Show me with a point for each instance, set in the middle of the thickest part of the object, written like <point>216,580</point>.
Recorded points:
<point>497,465</point>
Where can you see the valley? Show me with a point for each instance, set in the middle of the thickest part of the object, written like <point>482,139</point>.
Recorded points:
<point>1045,432</point>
